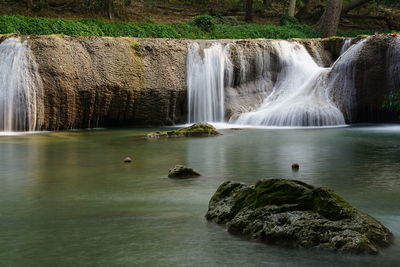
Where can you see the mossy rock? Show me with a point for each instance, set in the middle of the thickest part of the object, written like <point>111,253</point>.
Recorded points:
<point>197,129</point>
<point>182,172</point>
<point>294,214</point>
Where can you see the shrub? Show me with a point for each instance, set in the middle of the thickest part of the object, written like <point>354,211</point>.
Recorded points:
<point>204,22</point>
<point>201,27</point>
<point>288,20</point>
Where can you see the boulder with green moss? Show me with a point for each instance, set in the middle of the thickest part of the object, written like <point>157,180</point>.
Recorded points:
<point>294,214</point>
<point>197,129</point>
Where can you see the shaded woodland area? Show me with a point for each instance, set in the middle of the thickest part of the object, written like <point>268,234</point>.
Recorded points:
<point>326,16</point>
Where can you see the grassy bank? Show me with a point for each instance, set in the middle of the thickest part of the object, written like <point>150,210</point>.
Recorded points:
<point>201,28</point>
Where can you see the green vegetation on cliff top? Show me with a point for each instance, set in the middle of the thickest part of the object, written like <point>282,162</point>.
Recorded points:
<point>201,27</point>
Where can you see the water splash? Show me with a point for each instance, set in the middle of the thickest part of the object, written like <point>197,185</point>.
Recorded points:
<point>300,96</point>
<point>21,100</point>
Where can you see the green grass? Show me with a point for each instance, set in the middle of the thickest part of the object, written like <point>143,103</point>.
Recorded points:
<point>91,27</point>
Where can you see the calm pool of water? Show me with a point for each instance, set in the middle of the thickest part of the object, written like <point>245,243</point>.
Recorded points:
<point>67,199</point>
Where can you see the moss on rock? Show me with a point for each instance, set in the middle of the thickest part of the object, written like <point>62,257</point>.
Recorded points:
<point>291,213</point>
<point>197,129</point>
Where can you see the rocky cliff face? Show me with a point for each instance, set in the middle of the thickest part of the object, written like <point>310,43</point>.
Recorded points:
<point>373,79</point>
<point>96,82</point>
<point>103,82</point>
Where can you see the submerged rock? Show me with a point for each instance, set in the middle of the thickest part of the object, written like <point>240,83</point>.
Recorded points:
<point>197,129</point>
<point>182,172</point>
<point>294,214</point>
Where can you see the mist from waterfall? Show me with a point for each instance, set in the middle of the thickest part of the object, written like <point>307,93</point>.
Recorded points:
<point>302,93</point>
<point>21,106</point>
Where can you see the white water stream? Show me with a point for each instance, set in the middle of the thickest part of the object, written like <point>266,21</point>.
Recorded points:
<point>21,100</point>
<point>205,78</point>
<point>302,95</point>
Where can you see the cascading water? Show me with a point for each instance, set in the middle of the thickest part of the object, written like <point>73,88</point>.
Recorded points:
<point>393,64</point>
<point>296,90</point>
<point>208,70</point>
<point>300,96</point>
<point>21,107</point>
<point>346,45</point>
<point>341,79</point>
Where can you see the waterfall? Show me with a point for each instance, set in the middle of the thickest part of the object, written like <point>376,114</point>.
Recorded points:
<point>341,78</point>
<point>21,107</point>
<point>346,45</point>
<point>300,96</point>
<point>223,80</point>
<point>207,72</point>
<point>393,64</point>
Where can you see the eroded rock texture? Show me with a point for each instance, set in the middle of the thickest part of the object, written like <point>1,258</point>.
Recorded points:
<point>96,82</point>
<point>294,214</point>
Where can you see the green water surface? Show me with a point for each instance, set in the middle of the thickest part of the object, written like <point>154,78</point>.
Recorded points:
<point>67,199</point>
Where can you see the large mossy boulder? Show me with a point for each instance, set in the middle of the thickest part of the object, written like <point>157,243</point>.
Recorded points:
<point>197,129</point>
<point>294,214</point>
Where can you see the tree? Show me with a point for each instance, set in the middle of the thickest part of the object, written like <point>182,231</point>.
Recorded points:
<point>29,4</point>
<point>108,8</point>
<point>292,8</point>
<point>329,21</point>
<point>249,11</point>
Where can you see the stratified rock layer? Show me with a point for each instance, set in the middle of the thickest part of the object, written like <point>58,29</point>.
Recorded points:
<point>294,214</point>
<point>100,81</point>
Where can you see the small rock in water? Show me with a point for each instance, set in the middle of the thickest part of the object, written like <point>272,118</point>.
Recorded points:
<point>182,172</point>
<point>128,160</point>
<point>295,166</point>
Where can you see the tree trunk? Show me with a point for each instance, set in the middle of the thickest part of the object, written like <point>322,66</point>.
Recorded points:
<point>353,5</point>
<point>109,9</point>
<point>292,8</point>
<point>249,10</point>
<point>29,4</point>
<point>329,21</point>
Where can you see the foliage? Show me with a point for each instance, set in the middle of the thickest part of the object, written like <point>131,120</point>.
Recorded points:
<point>204,22</point>
<point>392,102</point>
<point>353,33</point>
<point>264,31</point>
<point>288,20</point>
<point>92,27</point>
